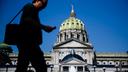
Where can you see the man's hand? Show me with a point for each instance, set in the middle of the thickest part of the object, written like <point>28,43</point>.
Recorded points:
<point>48,28</point>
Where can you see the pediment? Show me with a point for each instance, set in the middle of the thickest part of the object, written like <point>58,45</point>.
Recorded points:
<point>73,44</point>
<point>73,61</point>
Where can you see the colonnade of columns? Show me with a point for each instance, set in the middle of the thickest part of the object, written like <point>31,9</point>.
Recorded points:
<point>81,36</point>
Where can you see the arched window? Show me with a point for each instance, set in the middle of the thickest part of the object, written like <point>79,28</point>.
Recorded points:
<point>98,63</point>
<point>83,38</point>
<point>85,60</point>
<point>123,63</point>
<point>117,63</point>
<point>60,37</point>
<point>110,63</point>
<point>65,36</point>
<point>72,35</point>
<point>78,36</point>
<point>104,63</point>
<point>59,60</point>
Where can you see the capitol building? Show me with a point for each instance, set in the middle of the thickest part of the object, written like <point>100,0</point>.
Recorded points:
<point>72,52</point>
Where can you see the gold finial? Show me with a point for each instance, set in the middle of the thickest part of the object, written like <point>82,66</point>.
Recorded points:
<point>72,8</point>
<point>72,12</point>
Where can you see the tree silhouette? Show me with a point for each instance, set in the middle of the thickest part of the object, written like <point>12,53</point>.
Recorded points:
<point>4,53</point>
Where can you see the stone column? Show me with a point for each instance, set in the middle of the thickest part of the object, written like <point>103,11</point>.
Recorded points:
<point>83,68</point>
<point>81,37</point>
<point>60,68</point>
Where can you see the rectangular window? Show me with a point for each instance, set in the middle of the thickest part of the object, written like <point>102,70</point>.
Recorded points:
<point>65,69</point>
<point>80,68</point>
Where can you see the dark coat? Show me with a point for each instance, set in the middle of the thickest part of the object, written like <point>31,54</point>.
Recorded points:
<point>30,27</point>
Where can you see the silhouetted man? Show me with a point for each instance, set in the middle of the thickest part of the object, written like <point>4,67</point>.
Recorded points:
<point>30,37</point>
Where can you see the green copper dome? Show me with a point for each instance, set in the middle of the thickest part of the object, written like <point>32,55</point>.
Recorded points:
<point>72,23</point>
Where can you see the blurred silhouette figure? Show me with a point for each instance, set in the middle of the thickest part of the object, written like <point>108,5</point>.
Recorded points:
<point>30,37</point>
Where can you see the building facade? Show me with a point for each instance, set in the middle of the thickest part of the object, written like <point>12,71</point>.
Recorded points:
<point>72,52</point>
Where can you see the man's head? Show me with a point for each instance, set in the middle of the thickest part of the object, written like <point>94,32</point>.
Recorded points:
<point>40,4</point>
